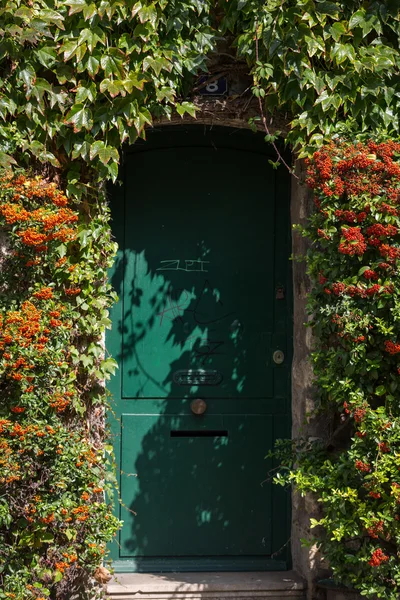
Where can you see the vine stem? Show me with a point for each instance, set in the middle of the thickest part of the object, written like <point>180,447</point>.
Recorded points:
<point>264,119</point>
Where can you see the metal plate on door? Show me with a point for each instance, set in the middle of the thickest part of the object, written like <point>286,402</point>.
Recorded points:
<point>197,377</point>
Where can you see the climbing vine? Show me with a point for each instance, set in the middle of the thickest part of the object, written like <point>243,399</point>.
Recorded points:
<point>79,78</point>
<point>332,65</point>
<point>355,306</point>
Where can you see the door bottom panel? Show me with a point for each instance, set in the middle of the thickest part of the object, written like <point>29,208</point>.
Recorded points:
<point>187,564</point>
<point>183,482</point>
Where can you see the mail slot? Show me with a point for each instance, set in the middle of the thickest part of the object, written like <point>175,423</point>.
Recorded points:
<point>200,433</point>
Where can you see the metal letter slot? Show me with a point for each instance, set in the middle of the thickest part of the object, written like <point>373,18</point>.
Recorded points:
<point>190,433</point>
<point>278,357</point>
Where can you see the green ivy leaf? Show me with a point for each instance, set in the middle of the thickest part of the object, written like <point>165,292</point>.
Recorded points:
<point>113,87</point>
<point>76,6</point>
<point>313,45</point>
<point>380,390</point>
<point>148,13</point>
<point>338,30</point>
<point>327,8</point>
<point>186,107</point>
<point>86,91</point>
<point>52,16</point>
<point>112,66</point>
<point>69,49</point>
<point>157,64</point>
<point>92,65</point>
<point>341,52</point>
<point>80,117</point>
<point>357,19</point>
<point>95,148</point>
<point>47,56</point>
<point>6,161</point>
<point>27,75</point>
<point>106,153</point>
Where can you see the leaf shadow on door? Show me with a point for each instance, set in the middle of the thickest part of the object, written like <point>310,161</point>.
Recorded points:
<point>195,483</point>
<point>196,284</point>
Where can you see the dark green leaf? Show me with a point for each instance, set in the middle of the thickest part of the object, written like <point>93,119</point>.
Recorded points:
<point>357,19</point>
<point>80,117</point>
<point>327,8</point>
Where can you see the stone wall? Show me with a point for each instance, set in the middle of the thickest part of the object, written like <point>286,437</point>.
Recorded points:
<point>3,247</point>
<point>4,251</point>
<point>306,560</point>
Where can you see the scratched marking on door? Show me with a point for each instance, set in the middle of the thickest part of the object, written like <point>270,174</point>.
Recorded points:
<point>175,305</point>
<point>178,303</point>
<point>205,347</point>
<point>198,312</point>
<point>190,265</point>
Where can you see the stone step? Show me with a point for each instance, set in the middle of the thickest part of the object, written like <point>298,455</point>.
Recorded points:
<point>272,585</point>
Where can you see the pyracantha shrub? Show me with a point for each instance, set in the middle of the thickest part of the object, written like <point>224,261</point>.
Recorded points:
<point>353,263</point>
<point>54,520</point>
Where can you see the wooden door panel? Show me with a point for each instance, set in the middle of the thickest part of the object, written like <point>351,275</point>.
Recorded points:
<point>197,486</point>
<point>199,276</point>
<point>203,277</point>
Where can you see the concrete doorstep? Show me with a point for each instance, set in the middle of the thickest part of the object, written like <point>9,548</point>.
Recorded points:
<point>273,585</point>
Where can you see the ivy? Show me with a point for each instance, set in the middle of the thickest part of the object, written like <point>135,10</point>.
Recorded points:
<point>79,73</point>
<point>333,66</point>
<point>80,78</point>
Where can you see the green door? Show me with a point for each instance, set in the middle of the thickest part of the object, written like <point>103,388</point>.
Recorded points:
<point>203,279</point>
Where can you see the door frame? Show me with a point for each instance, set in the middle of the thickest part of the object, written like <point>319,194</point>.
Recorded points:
<point>170,136</point>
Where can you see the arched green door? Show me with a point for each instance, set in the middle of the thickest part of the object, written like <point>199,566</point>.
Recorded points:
<point>203,278</point>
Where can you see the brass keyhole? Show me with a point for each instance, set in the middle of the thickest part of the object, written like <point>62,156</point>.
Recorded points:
<point>198,406</point>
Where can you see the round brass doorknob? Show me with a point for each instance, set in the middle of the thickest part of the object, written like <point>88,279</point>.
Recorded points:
<point>198,406</point>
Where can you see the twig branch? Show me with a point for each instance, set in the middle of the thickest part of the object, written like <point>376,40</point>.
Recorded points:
<point>277,552</point>
<point>264,120</point>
